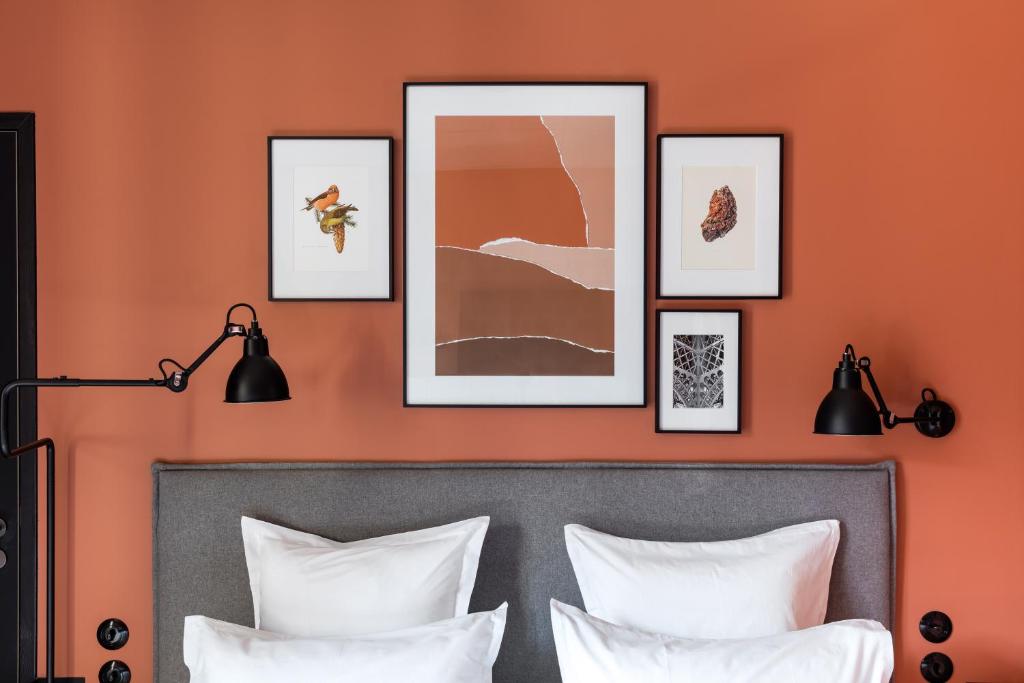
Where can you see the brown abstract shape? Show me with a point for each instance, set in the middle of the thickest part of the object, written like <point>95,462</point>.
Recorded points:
<point>721,215</point>
<point>587,147</point>
<point>593,268</point>
<point>480,295</point>
<point>501,176</point>
<point>521,356</point>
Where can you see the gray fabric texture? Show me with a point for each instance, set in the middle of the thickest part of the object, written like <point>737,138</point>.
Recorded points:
<point>199,567</point>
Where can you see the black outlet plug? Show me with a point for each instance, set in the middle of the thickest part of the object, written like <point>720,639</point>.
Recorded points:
<point>937,668</point>
<point>936,627</point>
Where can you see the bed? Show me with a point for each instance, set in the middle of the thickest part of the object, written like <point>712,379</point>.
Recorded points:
<point>199,568</point>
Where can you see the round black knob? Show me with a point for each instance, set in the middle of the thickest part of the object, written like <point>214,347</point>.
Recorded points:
<point>112,634</point>
<point>936,627</point>
<point>937,668</point>
<point>115,671</point>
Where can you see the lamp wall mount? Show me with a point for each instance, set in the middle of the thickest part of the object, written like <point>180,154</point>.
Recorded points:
<point>933,417</point>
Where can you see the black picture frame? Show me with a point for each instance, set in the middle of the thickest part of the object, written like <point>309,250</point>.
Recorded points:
<point>659,294</point>
<point>658,428</point>
<point>405,242</point>
<point>390,297</point>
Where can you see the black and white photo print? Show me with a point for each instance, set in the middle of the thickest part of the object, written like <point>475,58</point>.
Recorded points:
<point>697,377</point>
<point>698,371</point>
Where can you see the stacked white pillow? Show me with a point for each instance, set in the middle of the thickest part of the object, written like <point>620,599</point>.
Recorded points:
<point>387,609</point>
<point>459,650</point>
<point>756,586</point>
<point>591,650</point>
<point>717,612</point>
<point>306,585</point>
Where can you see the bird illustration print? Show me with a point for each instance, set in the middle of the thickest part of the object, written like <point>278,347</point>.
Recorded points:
<point>332,217</point>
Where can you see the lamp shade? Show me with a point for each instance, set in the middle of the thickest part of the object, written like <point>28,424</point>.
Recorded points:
<point>847,409</point>
<point>256,377</point>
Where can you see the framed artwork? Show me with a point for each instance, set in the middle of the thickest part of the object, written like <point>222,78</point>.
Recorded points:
<point>524,244</point>
<point>720,216</point>
<point>330,218</point>
<point>698,380</point>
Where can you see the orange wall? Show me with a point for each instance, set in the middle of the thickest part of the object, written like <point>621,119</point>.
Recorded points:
<point>903,235</point>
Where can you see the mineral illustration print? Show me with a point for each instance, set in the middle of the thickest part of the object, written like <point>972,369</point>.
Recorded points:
<point>697,377</point>
<point>721,216</point>
<point>717,230</point>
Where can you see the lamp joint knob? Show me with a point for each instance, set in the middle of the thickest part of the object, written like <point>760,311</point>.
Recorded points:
<point>178,382</point>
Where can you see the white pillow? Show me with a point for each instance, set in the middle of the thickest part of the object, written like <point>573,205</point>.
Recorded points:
<point>594,651</point>
<point>751,587</point>
<point>305,585</point>
<point>459,650</point>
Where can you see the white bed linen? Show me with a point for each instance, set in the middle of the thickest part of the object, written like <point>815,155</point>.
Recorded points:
<point>591,650</point>
<point>757,586</point>
<point>306,585</point>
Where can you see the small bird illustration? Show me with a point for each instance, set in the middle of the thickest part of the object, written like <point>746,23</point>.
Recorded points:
<point>333,218</point>
<point>322,200</point>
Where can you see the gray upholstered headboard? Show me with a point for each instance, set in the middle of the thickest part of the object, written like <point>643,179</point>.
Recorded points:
<point>198,566</point>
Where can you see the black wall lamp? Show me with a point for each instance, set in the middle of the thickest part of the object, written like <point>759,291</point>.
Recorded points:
<point>256,378</point>
<point>847,409</point>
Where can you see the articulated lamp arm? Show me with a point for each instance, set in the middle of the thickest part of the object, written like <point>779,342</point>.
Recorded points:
<point>932,417</point>
<point>176,381</point>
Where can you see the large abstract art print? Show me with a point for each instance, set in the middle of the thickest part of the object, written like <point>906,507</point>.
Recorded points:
<point>524,244</point>
<point>698,379</point>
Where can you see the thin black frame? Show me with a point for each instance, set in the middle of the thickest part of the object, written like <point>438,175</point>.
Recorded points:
<point>20,652</point>
<point>739,373</point>
<point>270,216</point>
<point>405,242</point>
<point>657,257</point>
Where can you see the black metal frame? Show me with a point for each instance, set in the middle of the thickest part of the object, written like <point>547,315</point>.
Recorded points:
<point>405,243</point>
<point>739,373</point>
<point>176,381</point>
<point>658,174</point>
<point>270,216</point>
<point>20,497</point>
